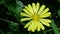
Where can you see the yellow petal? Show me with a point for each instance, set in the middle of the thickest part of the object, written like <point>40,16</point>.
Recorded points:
<point>33,30</point>
<point>42,27</point>
<point>26,11</point>
<point>46,14</point>
<point>28,24</point>
<point>34,7</point>
<point>30,9</point>
<point>46,20</point>
<point>24,19</point>
<point>34,27</point>
<point>45,11</point>
<point>37,7</point>
<point>24,14</point>
<point>30,27</point>
<point>41,9</point>
<point>44,23</point>
<point>38,27</point>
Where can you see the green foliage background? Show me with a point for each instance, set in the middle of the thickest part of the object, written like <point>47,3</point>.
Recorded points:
<point>10,16</point>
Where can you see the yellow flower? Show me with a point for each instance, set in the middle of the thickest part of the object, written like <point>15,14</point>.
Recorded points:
<point>37,17</point>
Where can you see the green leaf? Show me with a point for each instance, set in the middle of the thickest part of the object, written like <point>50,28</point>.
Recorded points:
<point>20,6</point>
<point>50,32</point>
<point>59,13</point>
<point>1,32</point>
<point>13,26</point>
<point>58,0</point>
<point>2,2</point>
<point>11,8</point>
<point>9,33</point>
<point>44,32</point>
<point>20,3</point>
<point>19,9</point>
<point>29,32</point>
<point>53,25</point>
<point>15,11</point>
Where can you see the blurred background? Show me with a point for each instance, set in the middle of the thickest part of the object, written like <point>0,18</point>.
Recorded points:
<point>10,16</point>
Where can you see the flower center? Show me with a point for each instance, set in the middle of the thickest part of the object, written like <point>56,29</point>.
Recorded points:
<point>35,17</point>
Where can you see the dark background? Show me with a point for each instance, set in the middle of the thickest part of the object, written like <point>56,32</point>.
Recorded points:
<point>9,19</point>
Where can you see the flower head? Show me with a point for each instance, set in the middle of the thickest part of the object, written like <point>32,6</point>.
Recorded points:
<point>37,15</point>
